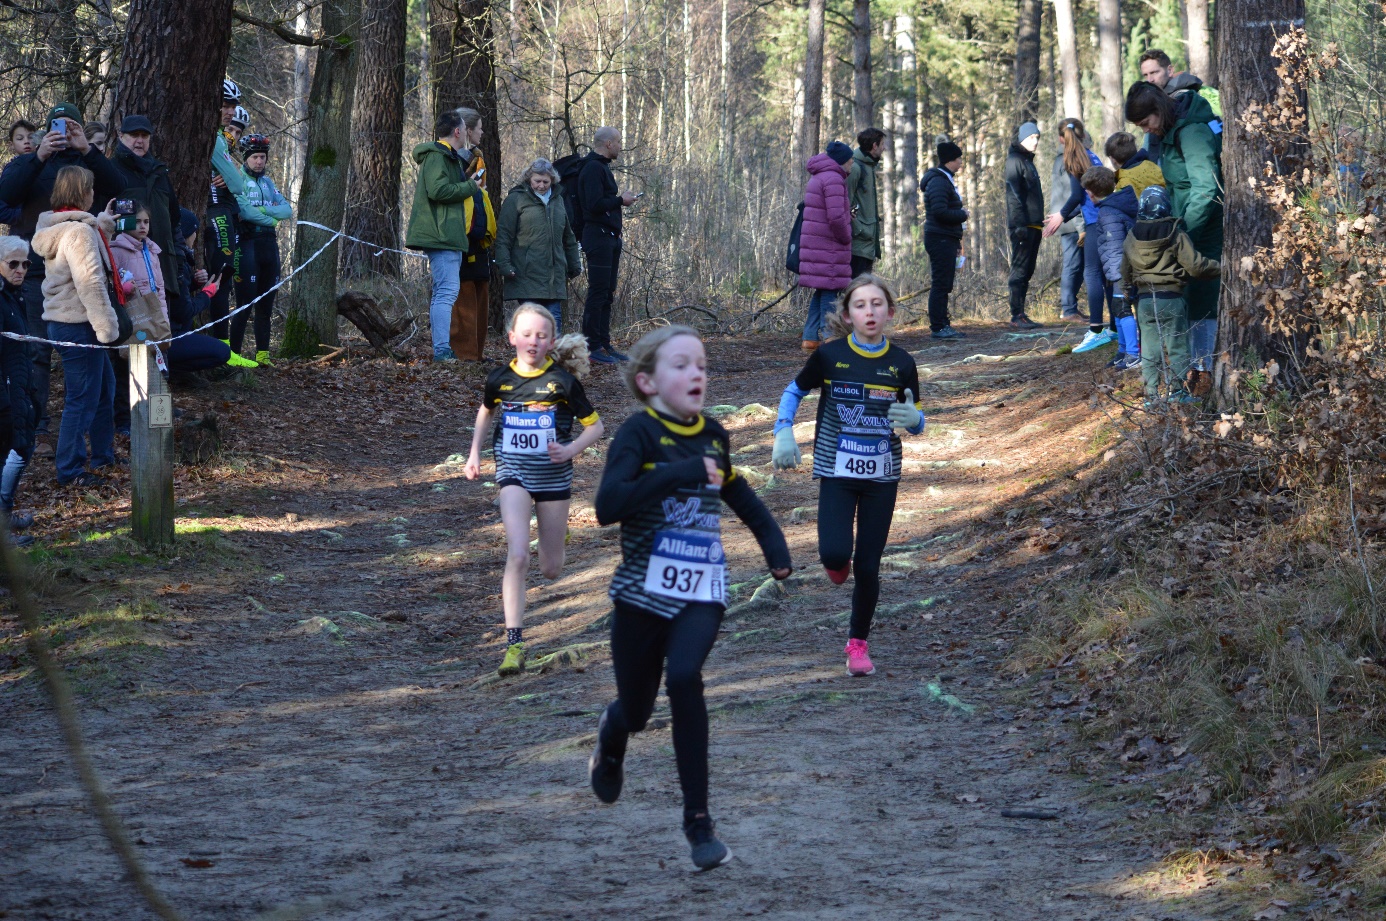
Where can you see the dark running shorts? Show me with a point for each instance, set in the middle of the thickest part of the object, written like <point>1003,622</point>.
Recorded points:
<point>557,495</point>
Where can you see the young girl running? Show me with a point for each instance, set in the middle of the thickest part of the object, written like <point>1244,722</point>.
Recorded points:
<point>529,407</point>
<point>668,474</point>
<point>868,387</point>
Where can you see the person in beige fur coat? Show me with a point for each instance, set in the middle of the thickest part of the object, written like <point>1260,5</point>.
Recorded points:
<point>77,307</point>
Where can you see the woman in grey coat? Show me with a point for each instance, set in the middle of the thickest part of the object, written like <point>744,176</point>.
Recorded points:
<point>536,250</point>
<point>1070,243</point>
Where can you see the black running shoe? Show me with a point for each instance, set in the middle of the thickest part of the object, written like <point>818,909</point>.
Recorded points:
<point>708,853</point>
<point>606,770</point>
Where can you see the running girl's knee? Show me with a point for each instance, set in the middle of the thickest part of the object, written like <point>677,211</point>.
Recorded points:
<point>518,556</point>
<point>551,568</point>
<point>684,683</point>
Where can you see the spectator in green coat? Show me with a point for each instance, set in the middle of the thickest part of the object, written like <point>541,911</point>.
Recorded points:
<point>1186,142</point>
<point>536,249</point>
<point>438,219</point>
<point>865,199</point>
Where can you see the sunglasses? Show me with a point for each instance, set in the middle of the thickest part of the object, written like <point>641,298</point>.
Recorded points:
<point>17,265</point>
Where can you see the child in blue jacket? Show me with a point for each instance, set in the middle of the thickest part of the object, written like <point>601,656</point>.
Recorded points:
<point>1116,215</point>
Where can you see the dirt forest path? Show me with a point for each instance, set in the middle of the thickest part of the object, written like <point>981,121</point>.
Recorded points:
<point>368,759</point>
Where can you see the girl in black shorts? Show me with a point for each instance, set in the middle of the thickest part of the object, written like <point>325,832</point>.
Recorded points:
<point>529,408</point>
<point>668,475</point>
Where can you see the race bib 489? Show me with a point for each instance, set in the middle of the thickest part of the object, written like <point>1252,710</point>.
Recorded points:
<point>862,457</point>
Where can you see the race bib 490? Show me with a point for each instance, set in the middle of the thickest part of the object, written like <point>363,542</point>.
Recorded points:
<point>526,433</point>
<point>862,457</point>
<point>687,565</point>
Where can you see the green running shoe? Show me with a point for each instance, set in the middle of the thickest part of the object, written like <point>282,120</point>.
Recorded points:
<point>263,357</point>
<point>514,661</point>
<point>236,361</point>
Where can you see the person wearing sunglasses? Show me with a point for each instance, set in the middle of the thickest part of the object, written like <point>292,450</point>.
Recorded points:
<point>17,396</point>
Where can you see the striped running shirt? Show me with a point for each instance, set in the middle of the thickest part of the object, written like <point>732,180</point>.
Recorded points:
<point>531,409</point>
<point>854,439</point>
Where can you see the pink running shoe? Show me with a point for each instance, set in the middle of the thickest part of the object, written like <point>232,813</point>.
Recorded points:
<point>838,576</point>
<point>858,662</point>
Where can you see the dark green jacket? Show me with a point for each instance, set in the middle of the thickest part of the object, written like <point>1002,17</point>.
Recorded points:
<point>1191,159</point>
<point>437,220</point>
<point>1158,256</point>
<point>865,199</point>
<point>536,250</point>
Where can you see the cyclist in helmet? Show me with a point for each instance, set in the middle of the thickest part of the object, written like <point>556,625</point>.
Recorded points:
<point>228,191</point>
<point>257,263</point>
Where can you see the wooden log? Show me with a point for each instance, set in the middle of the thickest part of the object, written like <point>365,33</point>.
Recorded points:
<point>364,313</point>
<point>151,450</point>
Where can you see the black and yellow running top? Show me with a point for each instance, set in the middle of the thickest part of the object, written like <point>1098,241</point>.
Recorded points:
<point>533,408</point>
<point>854,438</point>
<point>655,484</point>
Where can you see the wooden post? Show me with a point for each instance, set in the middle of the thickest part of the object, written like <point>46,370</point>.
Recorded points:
<point>151,450</point>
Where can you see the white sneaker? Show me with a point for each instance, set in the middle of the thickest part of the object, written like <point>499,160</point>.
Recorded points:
<point>1094,340</point>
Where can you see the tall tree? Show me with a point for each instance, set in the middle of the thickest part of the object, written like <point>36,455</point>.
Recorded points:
<point>813,78</point>
<point>1027,58</point>
<point>1249,77</point>
<point>1068,58</point>
<point>1196,24</point>
<point>863,106</point>
<point>377,134</point>
<point>462,51</point>
<point>906,130</point>
<point>312,307</point>
<point>1109,64</point>
<point>176,81</point>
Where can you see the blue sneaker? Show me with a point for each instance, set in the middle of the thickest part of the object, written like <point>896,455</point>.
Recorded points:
<point>1094,340</point>
<point>616,355</point>
<point>603,357</point>
<point>444,355</point>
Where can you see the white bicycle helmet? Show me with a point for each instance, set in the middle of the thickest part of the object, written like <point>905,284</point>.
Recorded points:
<point>230,92</point>
<point>240,118</point>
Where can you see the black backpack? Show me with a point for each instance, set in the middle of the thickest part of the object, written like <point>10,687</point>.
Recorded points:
<point>568,169</point>
<point>791,256</point>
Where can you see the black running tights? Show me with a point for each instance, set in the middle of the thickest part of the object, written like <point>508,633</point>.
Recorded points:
<point>871,505</point>
<point>641,643</point>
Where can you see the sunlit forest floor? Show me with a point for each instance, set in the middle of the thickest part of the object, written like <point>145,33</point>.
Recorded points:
<point>299,703</point>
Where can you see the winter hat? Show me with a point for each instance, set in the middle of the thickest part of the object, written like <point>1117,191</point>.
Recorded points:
<point>840,152</point>
<point>1155,204</point>
<point>948,152</point>
<point>187,223</point>
<point>62,110</point>
<point>1029,129</point>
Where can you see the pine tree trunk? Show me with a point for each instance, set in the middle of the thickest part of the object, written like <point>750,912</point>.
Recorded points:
<point>464,74</point>
<point>1248,69</point>
<point>377,135</point>
<point>1068,58</point>
<point>312,309</point>
<point>813,79</point>
<point>864,106</point>
<point>1109,64</point>
<point>176,82</point>
<point>298,107</point>
<point>1027,58</point>
<point>1200,58</point>
<point>907,131</point>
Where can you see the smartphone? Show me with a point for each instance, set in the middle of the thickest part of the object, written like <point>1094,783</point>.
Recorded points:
<point>478,174</point>
<point>59,124</point>
<point>227,271</point>
<point>125,206</point>
<point>639,195</point>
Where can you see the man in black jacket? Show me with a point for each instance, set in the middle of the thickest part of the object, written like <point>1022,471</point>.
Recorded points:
<point>601,202</point>
<point>27,184</point>
<point>1024,218</point>
<point>944,216</point>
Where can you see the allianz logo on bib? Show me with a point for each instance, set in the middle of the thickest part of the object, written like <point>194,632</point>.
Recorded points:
<point>692,548</point>
<point>863,446</point>
<point>686,513</point>
<point>528,421</point>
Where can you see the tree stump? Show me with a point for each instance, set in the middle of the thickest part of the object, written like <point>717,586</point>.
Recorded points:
<point>364,313</point>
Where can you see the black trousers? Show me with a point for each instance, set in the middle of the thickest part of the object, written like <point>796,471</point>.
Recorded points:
<point>257,271</point>
<point>943,268</point>
<point>641,644</point>
<point>219,243</point>
<point>871,505</point>
<point>1025,244</point>
<point>41,371</point>
<point>603,251</point>
<point>861,265</point>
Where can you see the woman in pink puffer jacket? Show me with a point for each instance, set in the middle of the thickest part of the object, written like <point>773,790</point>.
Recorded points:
<point>825,243</point>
